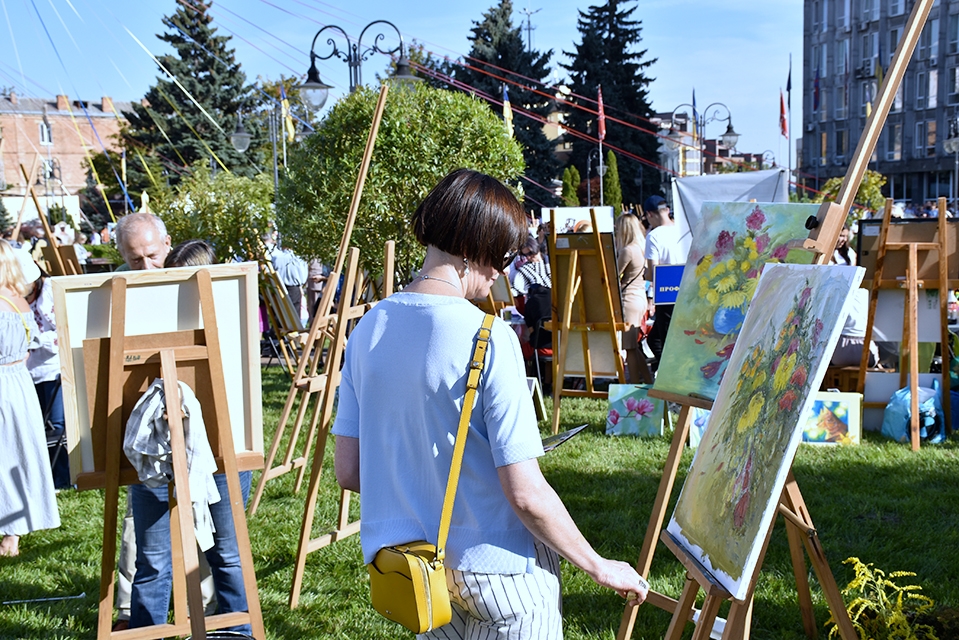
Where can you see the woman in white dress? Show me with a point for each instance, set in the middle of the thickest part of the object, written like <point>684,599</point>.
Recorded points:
<point>27,498</point>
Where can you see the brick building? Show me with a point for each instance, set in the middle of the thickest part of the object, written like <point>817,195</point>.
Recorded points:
<point>58,134</point>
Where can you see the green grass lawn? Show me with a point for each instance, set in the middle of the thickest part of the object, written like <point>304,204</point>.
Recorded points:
<point>878,501</point>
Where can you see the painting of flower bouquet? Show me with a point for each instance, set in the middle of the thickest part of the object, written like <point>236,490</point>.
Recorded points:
<point>729,251</point>
<point>632,413</point>
<point>731,493</point>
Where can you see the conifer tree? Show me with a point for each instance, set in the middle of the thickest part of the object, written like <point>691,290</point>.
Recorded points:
<point>609,55</point>
<point>498,42</point>
<point>172,126</point>
<point>571,181</point>
<point>612,191</point>
<point>6,220</point>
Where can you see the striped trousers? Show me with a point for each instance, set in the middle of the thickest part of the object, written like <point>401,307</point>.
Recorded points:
<point>522,606</point>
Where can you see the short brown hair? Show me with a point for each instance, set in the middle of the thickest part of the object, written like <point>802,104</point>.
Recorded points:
<point>192,253</point>
<point>473,215</point>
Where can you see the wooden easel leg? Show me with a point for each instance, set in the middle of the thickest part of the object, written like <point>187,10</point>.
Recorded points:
<point>274,447</point>
<point>707,616</point>
<point>802,580</point>
<point>739,622</point>
<point>108,560</point>
<point>306,530</point>
<point>684,609</point>
<point>912,339</point>
<point>308,446</point>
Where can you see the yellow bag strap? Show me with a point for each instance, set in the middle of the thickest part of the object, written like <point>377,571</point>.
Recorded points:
<point>472,382</point>
<point>16,310</point>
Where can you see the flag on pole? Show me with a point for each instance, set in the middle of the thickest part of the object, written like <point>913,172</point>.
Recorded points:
<point>783,126</point>
<point>815,91</point>
<point>695,118</point>
<point>287,116</point>
<point>602,116</point>
<point>789,85</point>
<point>507,113</point>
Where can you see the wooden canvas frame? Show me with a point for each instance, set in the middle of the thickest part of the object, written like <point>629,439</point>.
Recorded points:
<point>895,265</point>
<point>160,301</point>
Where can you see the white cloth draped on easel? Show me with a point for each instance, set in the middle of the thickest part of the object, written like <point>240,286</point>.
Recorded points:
<point>147,446</point>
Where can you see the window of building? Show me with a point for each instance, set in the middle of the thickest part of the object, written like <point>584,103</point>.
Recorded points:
<point>897,99</point>
<point>929,40</point>
<point>823,108</point>
<point>869,51</point>
<point>952,88</point>
<point>931,138</point>
<point>896,7</point>
<point>45,135</point>
<point>825,15</point>
<point>952,34</point>
<point>920,139</point>
<point>842,100</point>
<point>819,59</point>
<point>823,140</point>
<point>842,144</point>
<point>893,43</point>
<point>870,10</point>
<point>842,56</point>
<point>842,13</point>
<point>816,16</point>
<point>922,87</point>
<point>932,99</point>
<point>894,142</point>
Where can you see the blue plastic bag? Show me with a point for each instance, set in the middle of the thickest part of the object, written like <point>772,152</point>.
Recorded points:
<point>896,418</point>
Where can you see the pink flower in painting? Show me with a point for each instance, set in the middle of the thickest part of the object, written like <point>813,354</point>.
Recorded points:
<point>724,244</point>
<point>740,511</point>
<point>780,252</point>
<point>755,220</point>
<point>817,330</point>
<point>799,376</point>
<point>793,347</point>
<point>711,369</point>
<point>762,242</point>
<point>805,296</point>
<point>631,404</point>
<point>776,363</point>
<point>752,274</point>
<point>645,407</point>
<point>613,417</point>
<point>789,398</point>
<point>726,351</point>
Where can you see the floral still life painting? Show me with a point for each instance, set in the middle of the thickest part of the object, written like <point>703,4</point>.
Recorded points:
<point>632,413</point>
<point>732,490</point>
<point>733,243</point>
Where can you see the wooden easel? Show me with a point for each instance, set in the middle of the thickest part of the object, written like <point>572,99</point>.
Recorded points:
<point>584,279</point>
<point>120,368</point>
<point>284,319</point>
<point>62,260</point>
<point>499,297</point>
<point>351,308</point>
<point>824,232</point>
<point>910,338</point>
<point>322,322</point>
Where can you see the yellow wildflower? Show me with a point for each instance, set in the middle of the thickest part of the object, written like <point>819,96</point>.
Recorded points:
<point>712,298</point>
<point>783,373</point>
<point>749,418</point>
<point>734,299</point>
<point>731,263</point>
<point>718,269</point>
<point>753,255</point>
<point>744,267</point>
<point>727,283</point>
<point>749,243</point>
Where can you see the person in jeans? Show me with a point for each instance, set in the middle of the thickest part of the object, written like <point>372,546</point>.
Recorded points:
<point>403,384</point>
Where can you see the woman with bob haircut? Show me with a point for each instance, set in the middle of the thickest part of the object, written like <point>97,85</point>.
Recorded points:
<point>403,386</point>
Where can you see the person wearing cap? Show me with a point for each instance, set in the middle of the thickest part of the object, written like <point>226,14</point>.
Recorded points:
<point>663,246</point>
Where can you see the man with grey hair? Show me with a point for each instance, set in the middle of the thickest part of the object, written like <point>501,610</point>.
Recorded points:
<point>143,241</point>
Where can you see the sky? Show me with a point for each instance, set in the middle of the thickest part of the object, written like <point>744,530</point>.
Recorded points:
<point>735,52</point>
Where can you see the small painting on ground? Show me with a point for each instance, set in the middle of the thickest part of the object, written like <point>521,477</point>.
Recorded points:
<point>729,250</point>
<point>733,487</point>
<point>834,418</point>
<point>633,413</point>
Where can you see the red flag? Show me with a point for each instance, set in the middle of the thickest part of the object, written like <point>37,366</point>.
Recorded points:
<point>783,127</point>
<point>602,117</point>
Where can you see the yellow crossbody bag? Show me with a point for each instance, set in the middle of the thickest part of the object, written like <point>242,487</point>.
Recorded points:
<point>408,581</point>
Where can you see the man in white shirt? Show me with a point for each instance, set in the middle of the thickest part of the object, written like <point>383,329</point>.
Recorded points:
<point>663,247</point>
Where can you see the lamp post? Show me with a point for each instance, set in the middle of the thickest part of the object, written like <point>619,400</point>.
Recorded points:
<point>601,170</point>
<point>711,113</point>
<point>951,145</point>
<point>314,90</point>
<point>240,139</point>
<point>769,158</point>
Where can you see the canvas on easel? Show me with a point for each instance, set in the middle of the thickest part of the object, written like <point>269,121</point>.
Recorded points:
<point>118,368</point>
<point>587,317</point>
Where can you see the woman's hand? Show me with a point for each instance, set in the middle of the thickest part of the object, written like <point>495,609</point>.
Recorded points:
<point>621,578</point>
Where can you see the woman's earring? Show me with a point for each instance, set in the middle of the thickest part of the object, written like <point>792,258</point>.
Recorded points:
<point>466,267</point>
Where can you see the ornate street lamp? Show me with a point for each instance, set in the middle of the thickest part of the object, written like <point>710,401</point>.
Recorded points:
<point>315,91</point>
<point>711,113</point>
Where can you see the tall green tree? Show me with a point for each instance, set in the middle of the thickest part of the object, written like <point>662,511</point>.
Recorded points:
<point>498,42</point>
<point>6,220</point>
<point>415,147</point>
<point>608,54</point>
<point>571,182</point>
<point>170,125</point>
<point>612,190</point>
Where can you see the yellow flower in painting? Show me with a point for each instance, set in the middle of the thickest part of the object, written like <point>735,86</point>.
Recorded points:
<point>744,267</point>
<point>712,298</point>
<point>731,263</point>
<point>734,299</point>
<point>753,255</point>
<point>759,380</point>
<point>703,285</point>
<point>749,288</point>
<point>749,243</point>
<point>785,370</point>
<point>749,418</point>
<point>718,269</point>
<point>704,265</point>
<point>726,284</point>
